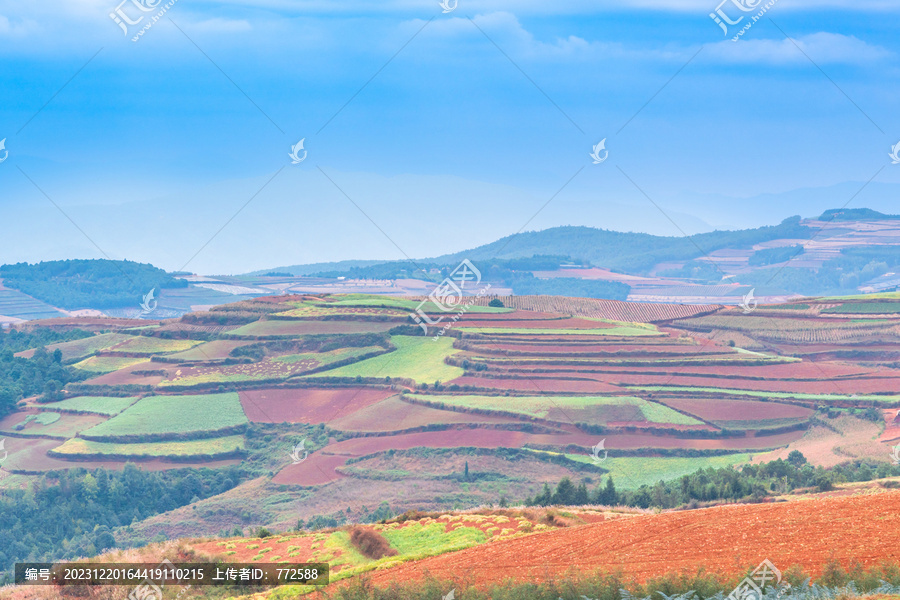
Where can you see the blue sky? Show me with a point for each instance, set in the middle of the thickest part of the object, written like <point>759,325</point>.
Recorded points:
<point>482,115</point>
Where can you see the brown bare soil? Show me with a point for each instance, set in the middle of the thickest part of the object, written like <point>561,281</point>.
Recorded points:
<point>824,447</point>
<point>725,540</point>
<point>393,414</point>
<point>736,410</point>
<point>307,405</point>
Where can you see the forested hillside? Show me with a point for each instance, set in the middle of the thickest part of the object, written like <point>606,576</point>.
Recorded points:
<point>74,284</point>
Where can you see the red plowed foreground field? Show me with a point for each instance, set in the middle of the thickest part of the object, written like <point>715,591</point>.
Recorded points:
<point>725,540</point>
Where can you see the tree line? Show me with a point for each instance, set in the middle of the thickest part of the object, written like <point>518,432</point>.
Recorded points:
<point>749,483</point>
<point>70,514</point>
<point>75,284</point>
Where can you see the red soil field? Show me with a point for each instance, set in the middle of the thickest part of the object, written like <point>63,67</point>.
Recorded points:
<point>838,387</point>
<point>575,323</point>
<point>307,405</point>
<point>736,410</point>
<point>891,426</point>
<point>393,414</point>
<point>322,469</point>
<point>526,315</point>
<point>601,349</point>
<point>537,385</point>
<point>605,309</point>
<point>317,469</point>
<point>735,370</point>
<point>726,540</point>
<point>65,427</point>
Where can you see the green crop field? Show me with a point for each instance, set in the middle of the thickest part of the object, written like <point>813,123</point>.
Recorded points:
<point>216,349</point>
<point>407,305</point>
<point>204,447</point>
<point>277,328</point>
<point>631,472</point>
<point>43,418</point>
<point>543,407</point>
<point>141,344</point>
<point>280,367</point>
<point>418,358</point>
<point>865,308</point>
<point>327,358</point>
<point>174,415</point>
<point>107,364</point>
<point>101,405</point>
<point>84,347</point>
<point>755,394</point>
<point>421,539</point>
<point>14,303</point>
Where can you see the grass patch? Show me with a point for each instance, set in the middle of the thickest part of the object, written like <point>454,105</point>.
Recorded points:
<point>205,447</point>
<point>107,364</point>
<point>631,472</point>
<point>174,415</point>
<point>84,347</point>
<point>755,394</point>
<point>415,540</point>
<point>43,418</point>
<point>543,407</point>
<point>327,358</point>
<point>418,358</point>
<point>100,405</point>
<point>141,344</point>
<point>865,308</point>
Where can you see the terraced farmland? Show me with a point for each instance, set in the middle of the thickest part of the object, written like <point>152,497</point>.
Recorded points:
<point>662,388</point>
<point>417,358</point>
<point>173,416</point>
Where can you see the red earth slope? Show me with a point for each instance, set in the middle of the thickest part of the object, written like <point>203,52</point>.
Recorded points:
<point>725,540</point>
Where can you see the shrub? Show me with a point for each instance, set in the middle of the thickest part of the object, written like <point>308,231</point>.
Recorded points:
<point>370,543</point>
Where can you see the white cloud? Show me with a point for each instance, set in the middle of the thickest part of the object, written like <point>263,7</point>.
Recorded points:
<point>219,25</point>
<point>822,47</point>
